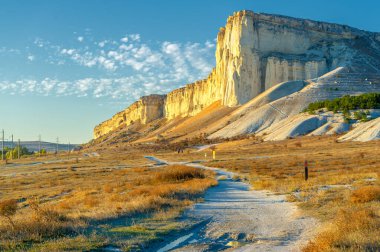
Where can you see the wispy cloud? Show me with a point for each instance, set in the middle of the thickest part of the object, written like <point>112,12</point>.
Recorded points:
<point>31,57</point>
<point>127,88</point>
<point>132,67</point>
<point>7,50</point>
<point>185,59</point>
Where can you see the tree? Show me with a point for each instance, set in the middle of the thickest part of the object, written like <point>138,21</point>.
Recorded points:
<point>13,153</point>
<point>347,102</point>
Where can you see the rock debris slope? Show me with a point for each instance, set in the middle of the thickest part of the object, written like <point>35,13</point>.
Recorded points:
<point>299,60</point>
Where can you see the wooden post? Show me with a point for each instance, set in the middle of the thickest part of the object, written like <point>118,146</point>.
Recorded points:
<point>306,171</point>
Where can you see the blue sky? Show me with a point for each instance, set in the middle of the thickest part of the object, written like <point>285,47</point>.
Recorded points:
<point>67,65</point>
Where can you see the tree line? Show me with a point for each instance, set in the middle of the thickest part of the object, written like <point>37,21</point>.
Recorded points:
<point>13,153</point>
<point>347,103</point>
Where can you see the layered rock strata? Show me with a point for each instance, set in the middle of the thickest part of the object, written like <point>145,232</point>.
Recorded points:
<point>254,52</point>
<point>145,110</point>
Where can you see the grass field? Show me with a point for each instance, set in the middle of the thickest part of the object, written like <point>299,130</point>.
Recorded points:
<point>343,189</point>
<point>113,195</point>
<point>87,203</point>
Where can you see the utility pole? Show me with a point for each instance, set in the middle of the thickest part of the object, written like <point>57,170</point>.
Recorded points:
<point>19,149</point>
<point>68,150</point>
<point>12,147</point>
<point>2,147</point>
<point>39,145</point>
<point>56,147</point>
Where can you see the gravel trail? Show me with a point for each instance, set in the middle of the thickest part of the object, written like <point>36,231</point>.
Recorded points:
<point>235,218</point>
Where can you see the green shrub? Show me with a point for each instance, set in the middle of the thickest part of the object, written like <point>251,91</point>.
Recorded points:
<point>347,103</point>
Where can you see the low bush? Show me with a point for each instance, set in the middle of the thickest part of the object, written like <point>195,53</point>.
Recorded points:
<point>179,173</point>
<point>366,194</point>
<point>8,208</point>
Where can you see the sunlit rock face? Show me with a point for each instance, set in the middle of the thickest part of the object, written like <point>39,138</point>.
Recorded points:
<point>255,52</point>
<point>192,98</point>
<point>145,110</point>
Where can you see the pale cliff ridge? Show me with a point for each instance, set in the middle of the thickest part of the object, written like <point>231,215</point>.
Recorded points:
<point>255,52</point>
<point>145,110</point>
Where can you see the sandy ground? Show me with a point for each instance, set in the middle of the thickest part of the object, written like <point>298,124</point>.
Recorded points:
<point>235,218</point>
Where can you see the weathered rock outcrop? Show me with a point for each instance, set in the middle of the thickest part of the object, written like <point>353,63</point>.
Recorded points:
<point>254,52</point>
<point>145,110</point>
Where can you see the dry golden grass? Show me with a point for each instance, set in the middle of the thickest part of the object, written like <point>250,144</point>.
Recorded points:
<point>64,198</point>
<point>366,194</point>
<point>342,190</point>
<point>179,173</point>
<point>354,229</point>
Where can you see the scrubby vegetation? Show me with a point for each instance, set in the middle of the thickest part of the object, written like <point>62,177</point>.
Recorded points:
<point>180,173</point>
<point>59,206</point>
<point>343,189</point>
<point>346,103</point>
<point>13,153</point>
<point>361,115</point>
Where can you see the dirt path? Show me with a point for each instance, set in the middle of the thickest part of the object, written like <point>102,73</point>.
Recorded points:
<point>235,218</point>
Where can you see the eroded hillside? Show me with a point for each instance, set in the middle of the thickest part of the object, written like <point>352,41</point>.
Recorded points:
<point>268,68</point>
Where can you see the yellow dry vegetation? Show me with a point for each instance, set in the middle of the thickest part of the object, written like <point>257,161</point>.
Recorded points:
<point>343,189</point>
<point>61,199</point>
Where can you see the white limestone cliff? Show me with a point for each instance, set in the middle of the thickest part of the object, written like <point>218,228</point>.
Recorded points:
<point>145,110</point>
<point>255,52</point>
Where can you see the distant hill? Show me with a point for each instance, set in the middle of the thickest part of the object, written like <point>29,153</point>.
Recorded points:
<point>34,145</point>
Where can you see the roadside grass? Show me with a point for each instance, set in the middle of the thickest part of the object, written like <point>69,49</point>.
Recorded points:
<point>144,233</point>
<point>342,190</point>
<point>77,243</point>
<point>56,206</point>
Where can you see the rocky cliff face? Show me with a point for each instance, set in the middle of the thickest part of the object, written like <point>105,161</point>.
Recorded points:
<point>255,52</point>
<point>145,110</point>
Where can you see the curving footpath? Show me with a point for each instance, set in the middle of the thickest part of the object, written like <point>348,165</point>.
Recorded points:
<point>235,218</point>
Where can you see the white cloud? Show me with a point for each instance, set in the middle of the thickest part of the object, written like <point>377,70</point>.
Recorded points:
<point>125,47</point>
<point>135,37</point>
<point>103,43</point>
<point>125,88</point>
<point>7,50</point>
<point>31,57</point>
<point>68,51</point>
<point>185,62</point>
<point>208,44</point>
<point>80,38</point>
<point>133,67</point>
<point>40,43</point>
